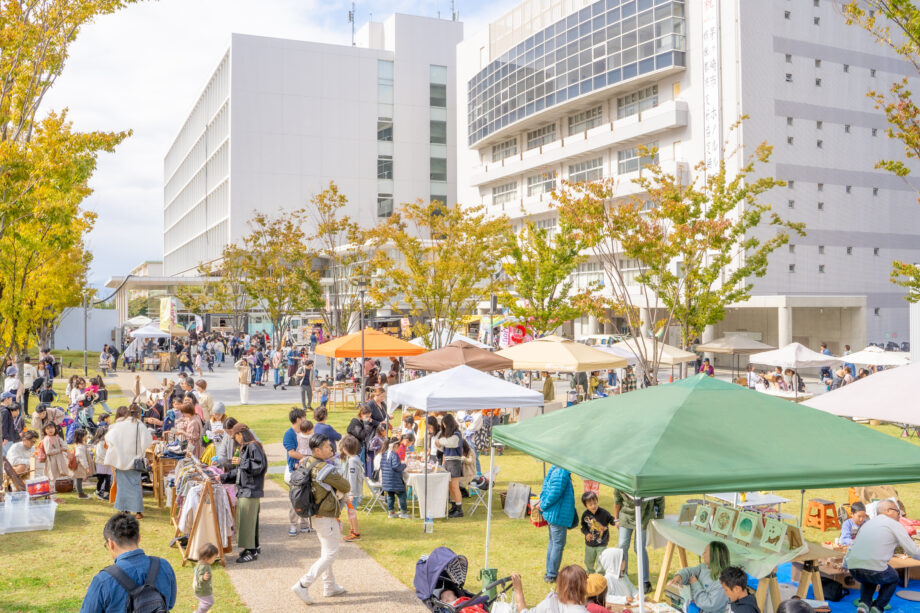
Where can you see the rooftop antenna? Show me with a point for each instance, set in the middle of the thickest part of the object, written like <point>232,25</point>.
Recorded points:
<point>351,20</point>
<point>453,13</point>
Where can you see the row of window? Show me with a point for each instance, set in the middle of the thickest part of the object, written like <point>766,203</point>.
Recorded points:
<point>818,63</point>
<point>849,250</point>
<point>847,128</point>
<point>820,186</point>
<point>384,135</point>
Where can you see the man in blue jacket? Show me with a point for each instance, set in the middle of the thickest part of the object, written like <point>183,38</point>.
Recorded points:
<point>122,534</point>
<point>557,504</point>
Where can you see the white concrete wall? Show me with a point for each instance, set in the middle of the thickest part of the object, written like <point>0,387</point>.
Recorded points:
<point>100,326</point>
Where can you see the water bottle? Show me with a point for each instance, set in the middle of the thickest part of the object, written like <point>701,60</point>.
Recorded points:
<point>429,525</point>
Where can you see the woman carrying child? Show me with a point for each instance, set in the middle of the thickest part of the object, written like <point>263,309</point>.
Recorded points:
<point>362,429</point>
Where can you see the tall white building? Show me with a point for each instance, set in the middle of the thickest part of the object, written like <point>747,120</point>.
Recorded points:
<point>569,88</point>
<point>279,119</point>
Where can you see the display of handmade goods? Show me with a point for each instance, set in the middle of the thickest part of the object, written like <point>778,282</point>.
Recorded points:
<point>723,520</point>
<point>751,529</point>
<point>748,527</point>
<point>687,513</point>
<point>703,516</point>
<point>201,508</point>
<point>774,535</point>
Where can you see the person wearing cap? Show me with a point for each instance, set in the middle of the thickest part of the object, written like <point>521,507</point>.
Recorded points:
<point>45,414</point>
<point>9,415</point>
<point>218,417</point>
<point>11,382</point>
<point>597,594</point>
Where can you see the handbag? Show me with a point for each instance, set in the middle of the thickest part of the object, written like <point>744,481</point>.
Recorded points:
<point>40,455</point>
<point>140,462</point>
<point>72,460</point>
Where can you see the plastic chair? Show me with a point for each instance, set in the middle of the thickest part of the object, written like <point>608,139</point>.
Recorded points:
<point>482,496</point>
<point>376,497</point>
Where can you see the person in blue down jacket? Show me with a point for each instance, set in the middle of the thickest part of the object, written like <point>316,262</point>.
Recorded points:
<point>557,504</point>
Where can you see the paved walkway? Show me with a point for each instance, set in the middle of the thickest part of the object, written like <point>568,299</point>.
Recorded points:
<point>264,585</point>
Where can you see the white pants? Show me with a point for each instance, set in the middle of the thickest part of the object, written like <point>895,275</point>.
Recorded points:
<point>244,393</point>
<point>330,539</point>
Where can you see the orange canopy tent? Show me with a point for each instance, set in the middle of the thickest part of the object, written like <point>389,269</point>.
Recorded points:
<point>376,345</point>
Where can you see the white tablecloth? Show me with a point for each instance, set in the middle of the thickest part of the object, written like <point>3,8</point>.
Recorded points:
<point>438,485</point>
<point>753,499</point>
<point>757,562</point>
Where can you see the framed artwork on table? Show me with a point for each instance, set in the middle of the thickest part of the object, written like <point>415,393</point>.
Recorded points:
<point>687,513</point>
<point>774,535</point>
<point>793,537</point>
<point>703,517</point>
<point>723,520</point>
<point>747,527</point>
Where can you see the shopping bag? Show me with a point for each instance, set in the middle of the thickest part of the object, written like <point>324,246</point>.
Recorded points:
<point>516,501</point>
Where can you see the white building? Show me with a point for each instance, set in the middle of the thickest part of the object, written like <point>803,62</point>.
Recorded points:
<point>279,119</point>
<point>569,88</point>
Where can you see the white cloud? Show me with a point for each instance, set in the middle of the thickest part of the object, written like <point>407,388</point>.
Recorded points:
<point>143,68</point>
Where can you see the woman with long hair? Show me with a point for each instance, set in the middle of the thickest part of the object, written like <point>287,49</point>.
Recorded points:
<point>703,579</point>
<point>451,443</point>
<point>570,595</point>
<point>127,440</point>
<point>248,473</point>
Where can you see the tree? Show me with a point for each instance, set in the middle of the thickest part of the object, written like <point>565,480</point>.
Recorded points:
<point>275,267</point>
<point>896,23</point>
<point>539,267</point>
<point>434,262</point>
<point>338,242</point>
<point>688,250</point>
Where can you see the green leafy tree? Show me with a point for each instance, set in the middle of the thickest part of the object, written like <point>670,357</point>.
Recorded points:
<point>896,24</point>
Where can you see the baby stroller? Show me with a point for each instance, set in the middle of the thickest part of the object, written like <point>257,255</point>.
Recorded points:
<point>443,570</point>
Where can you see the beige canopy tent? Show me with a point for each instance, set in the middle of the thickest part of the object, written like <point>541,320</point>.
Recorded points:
<point>670,355</point>
<point>455,354</point>
<point>558,354</point>
<point>734,344</point>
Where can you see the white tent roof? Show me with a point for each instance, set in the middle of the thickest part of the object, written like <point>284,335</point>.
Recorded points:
<point>794,355</point>
<point>139,320</point>
<point>420,341</point>
<point>462,388</point>
<point>876,356</point>
<point>670,355</point>
<point>149,332</point>
<point>889,395</point>
<point>622,352</point>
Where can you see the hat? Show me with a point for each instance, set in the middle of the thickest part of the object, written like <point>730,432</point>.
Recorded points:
<point>6,395</point>
<point>596,584</point>
<point>11,371</point>
<point>219,409</point>
<point>238,428</point>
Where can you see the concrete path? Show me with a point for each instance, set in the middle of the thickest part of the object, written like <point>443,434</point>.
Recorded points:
<point>264,585</point>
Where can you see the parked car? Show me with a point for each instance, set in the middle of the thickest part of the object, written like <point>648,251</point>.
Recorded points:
<point>892,346</point>
<point>905,346</point>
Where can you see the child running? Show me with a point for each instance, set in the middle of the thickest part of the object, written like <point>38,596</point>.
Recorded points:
<point>204,591</point>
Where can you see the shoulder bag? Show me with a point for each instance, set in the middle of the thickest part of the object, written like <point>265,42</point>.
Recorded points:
<point>140,462</point>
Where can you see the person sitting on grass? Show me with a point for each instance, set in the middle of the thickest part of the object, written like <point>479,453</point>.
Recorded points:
<point>703,579</point>
<point>734,583</point>
<point>20,454</point>
<point>851,526</point>
<point>619,587</point>
<point>570,595</point>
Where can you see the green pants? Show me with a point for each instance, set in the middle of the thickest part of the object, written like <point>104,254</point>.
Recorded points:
<point>591,559</point>
<point>247,523</point>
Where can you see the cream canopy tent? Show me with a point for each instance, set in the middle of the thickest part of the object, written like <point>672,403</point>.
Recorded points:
<point>795,356</point>
<point>670,355</point>
<point>626,354</point>
<point>558,354</point>
<point>420,341</point>
<point>889,395</point>
<point>734,344</point>
<point>876,356</point>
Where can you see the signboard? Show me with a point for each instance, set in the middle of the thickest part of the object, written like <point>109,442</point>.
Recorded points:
<point>404,326</point>
<point>169,313</point>
<point>712,86</point>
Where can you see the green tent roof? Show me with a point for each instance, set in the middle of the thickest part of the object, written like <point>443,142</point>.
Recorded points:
<point>704,435</point>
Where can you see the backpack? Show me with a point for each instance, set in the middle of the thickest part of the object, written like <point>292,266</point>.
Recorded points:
<point>69,432</point>
<point>301,495</point>
<point>142,598</point>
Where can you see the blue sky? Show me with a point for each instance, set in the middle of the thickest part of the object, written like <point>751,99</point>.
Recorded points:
<point>142,69</point>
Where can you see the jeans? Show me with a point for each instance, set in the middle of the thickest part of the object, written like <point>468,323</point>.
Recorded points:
<point>391,501</point>
<point>277,373</point>
<point>220,357</point>
<point>885,580</point>
<point>330,539</point>
<point>257,377</point>
<point>554,549</point>
<point>625,536</point>
<point>306,397</point>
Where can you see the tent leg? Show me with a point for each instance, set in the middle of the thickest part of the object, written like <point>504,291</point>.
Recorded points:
<point>542,407</point>
<point>427,454</point>
<point>802,510</point>
<point>639,548</point>
<point>489,505</point>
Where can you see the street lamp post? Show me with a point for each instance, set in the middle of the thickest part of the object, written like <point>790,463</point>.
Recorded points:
<point>361,283</point>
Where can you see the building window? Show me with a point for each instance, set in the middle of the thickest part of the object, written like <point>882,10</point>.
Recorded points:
<point>790,184</point>
<point>875,251</point>
<point>820,187</point>
<point>440,199</point>
<point>791,248</point>
<point>628,160</point>
<point>846,68</point>
<point>591,170</point>
<point>821,268</point>
<point>790,204</point>
<point>872,72</point>
<point>875,191</point>
<point>585,120</point>
<point>438,87</point>
<point>638,101</point>
<point>848,188</point>
<point>542,183</point>
<point>788,77</point>
<point>504,150</point>
<point>788,58</point>
<point>541,136</point>
<point>820,249</point>
<point>819,124</point>
<point>876,311</point>
<point>846,128</point>
<point>849,251</point>
<point>792,268</point>
<point>874,131</point>
<point>504,193</point>
<point>789,121</point>
<point>817,3</point>
<point>817,21</point>
<point>820,206</point>
<point>820,144</point>
<point>385,129</point>
<point>817,82</point>
<point>384,166</point>
<point>817,63</point>
<point>790,140</point>
<point>384,205</point>
<point>787,14</point>
<point>438,131</point>
<point>438,169</point>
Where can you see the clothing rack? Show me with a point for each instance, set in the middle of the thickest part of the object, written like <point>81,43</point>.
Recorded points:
<point>206,495</point>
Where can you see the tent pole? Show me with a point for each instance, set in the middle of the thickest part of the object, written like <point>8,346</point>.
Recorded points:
<point>802,509</point>
<point>427,454</point>
<point>639,549</point>
<point>489,505</point>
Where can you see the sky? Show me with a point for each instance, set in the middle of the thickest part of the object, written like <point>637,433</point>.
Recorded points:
<point>142,69</point>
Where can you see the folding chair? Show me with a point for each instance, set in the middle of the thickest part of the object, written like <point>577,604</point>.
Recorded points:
<point>482,496</point>
<point>376,497</point>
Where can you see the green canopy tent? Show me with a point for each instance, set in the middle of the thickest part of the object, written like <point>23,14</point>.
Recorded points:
<point>701,434</point>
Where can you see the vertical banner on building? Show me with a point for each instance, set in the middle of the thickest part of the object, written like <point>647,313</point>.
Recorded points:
<point>712,86</point>
<point>169,313</point>
<point>404,327</point>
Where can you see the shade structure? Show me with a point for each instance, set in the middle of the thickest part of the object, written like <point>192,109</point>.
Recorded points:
<point>557,354</point>
<point>376,345</point>
<point>670,355</point>
<point>734,344</point>
<point>794,355</point>
<point>149,332</point>
<point>876,356</point>
<point>631,358</point>
<point>425,341</point>
<point>455,354</point>
<point>177,330</point>
<point>462,388</point>
<point>705,435</point>
<point>889,395</point>
<point>138,320</point>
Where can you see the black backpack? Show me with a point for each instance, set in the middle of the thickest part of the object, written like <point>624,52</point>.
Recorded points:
<point>302,500</point>
<point>142,598</point>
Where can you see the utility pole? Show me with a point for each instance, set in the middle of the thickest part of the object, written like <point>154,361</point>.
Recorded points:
<point>85,368</point>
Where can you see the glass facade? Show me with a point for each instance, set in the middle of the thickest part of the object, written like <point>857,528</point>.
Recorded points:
<point>591,170</point>
<point>384,138</point>
<point>504,193</point>
<point>504,150</point>
<point>585,120</point>
<point>637,101</point>
<point>605,43</point>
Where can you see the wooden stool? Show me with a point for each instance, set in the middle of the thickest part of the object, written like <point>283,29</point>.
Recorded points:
<point>821,514</point>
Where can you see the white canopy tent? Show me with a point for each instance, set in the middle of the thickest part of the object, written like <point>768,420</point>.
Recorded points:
<point>876,356</point>
<point>462,388</point>
<point>138,321</point>
<point>150,332</point>
<point>670,355</point>
<point>622,352</point>
<point>794,356</point>
<point>420,341</point>
<point>888,395</point>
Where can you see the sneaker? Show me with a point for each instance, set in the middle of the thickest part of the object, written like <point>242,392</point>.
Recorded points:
<point>336,590</point>
<point>82,496</point>
<point>292,532</point>
<point>862,608</point>
<point>352,537</point>
<point>403,516</point>
<point>548,579</point>
<point>303,592</point>
<point>874,610</point>
<point>391,515</point>
<point>305,528</point>
<point>101,496</point>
